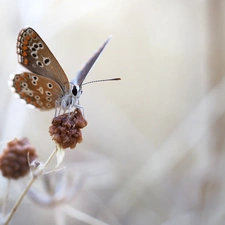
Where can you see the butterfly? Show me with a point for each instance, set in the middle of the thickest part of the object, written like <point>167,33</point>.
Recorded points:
<point>46,86</point>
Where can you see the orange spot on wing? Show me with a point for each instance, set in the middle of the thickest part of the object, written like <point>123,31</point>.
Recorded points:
<point>25,42</point>
<point>27,38</point>
<point>20,78</point>
<point>28,100</point>
<point>24,48</point>
<point>24,53</point>
<point>23,95</point>
<point>36,105</point>
<point>26,75</point>
<point>17,85</point>
<point>33,35</point>
<point>25,61</point>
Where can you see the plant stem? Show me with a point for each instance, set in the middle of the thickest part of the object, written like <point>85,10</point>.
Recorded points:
<point>19,200</point>
<point>5,201</point>
<point>10,215</point>
<point>68,210</point>
<point>50,158</point>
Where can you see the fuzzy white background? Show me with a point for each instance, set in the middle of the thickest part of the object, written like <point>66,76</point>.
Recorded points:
<point>153,151</point>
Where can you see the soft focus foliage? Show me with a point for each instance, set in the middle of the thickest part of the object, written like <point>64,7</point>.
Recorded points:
<point>15,159</point>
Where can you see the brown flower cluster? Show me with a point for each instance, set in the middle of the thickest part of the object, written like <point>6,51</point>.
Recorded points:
<point>65,129</point>
<point>14,159</point>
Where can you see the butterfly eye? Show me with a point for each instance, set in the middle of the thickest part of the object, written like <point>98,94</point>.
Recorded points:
<point>74,91</point>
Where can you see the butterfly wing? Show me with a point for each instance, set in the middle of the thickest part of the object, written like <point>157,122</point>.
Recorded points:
<point>35,55</point>
<point>37,90</point>
<point>87,67</point>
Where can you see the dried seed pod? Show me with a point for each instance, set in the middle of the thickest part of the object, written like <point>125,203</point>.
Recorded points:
<point>65,129</point>
<point>14,159</point>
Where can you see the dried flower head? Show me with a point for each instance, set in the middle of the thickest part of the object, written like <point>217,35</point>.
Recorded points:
<point>14,159</point>
<point>65,129</point>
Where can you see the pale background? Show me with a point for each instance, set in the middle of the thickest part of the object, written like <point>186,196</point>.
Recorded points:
<point>153,151</point>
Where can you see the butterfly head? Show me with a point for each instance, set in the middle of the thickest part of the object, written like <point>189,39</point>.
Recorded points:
<point>76,91</point>
<point>70,99</point>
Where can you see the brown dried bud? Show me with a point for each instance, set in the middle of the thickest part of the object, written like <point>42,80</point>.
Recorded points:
<point>14,159</point>
<point>65,129</point>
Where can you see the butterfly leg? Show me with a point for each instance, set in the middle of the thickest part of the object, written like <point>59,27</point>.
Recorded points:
<point>78,106</point>
<point>57,106</point>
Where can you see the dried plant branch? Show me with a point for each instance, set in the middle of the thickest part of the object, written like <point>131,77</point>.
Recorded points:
<point>76,214</point>
<point>5,201</point>
<point>34,177</point>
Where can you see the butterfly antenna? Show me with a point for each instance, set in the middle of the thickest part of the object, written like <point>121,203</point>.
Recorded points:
<point>94,81</point>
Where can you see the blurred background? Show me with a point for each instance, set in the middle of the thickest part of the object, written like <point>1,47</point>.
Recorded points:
<point>153,151</point>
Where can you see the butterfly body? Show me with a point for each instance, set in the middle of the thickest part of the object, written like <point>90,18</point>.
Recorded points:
<point>46,86</point>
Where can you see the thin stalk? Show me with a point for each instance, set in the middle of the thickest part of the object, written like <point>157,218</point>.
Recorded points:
<point>74,213</point>
<point>50,158</point>
<point>5,201</point>
<point>10,215</point>
<point>19,200</point>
